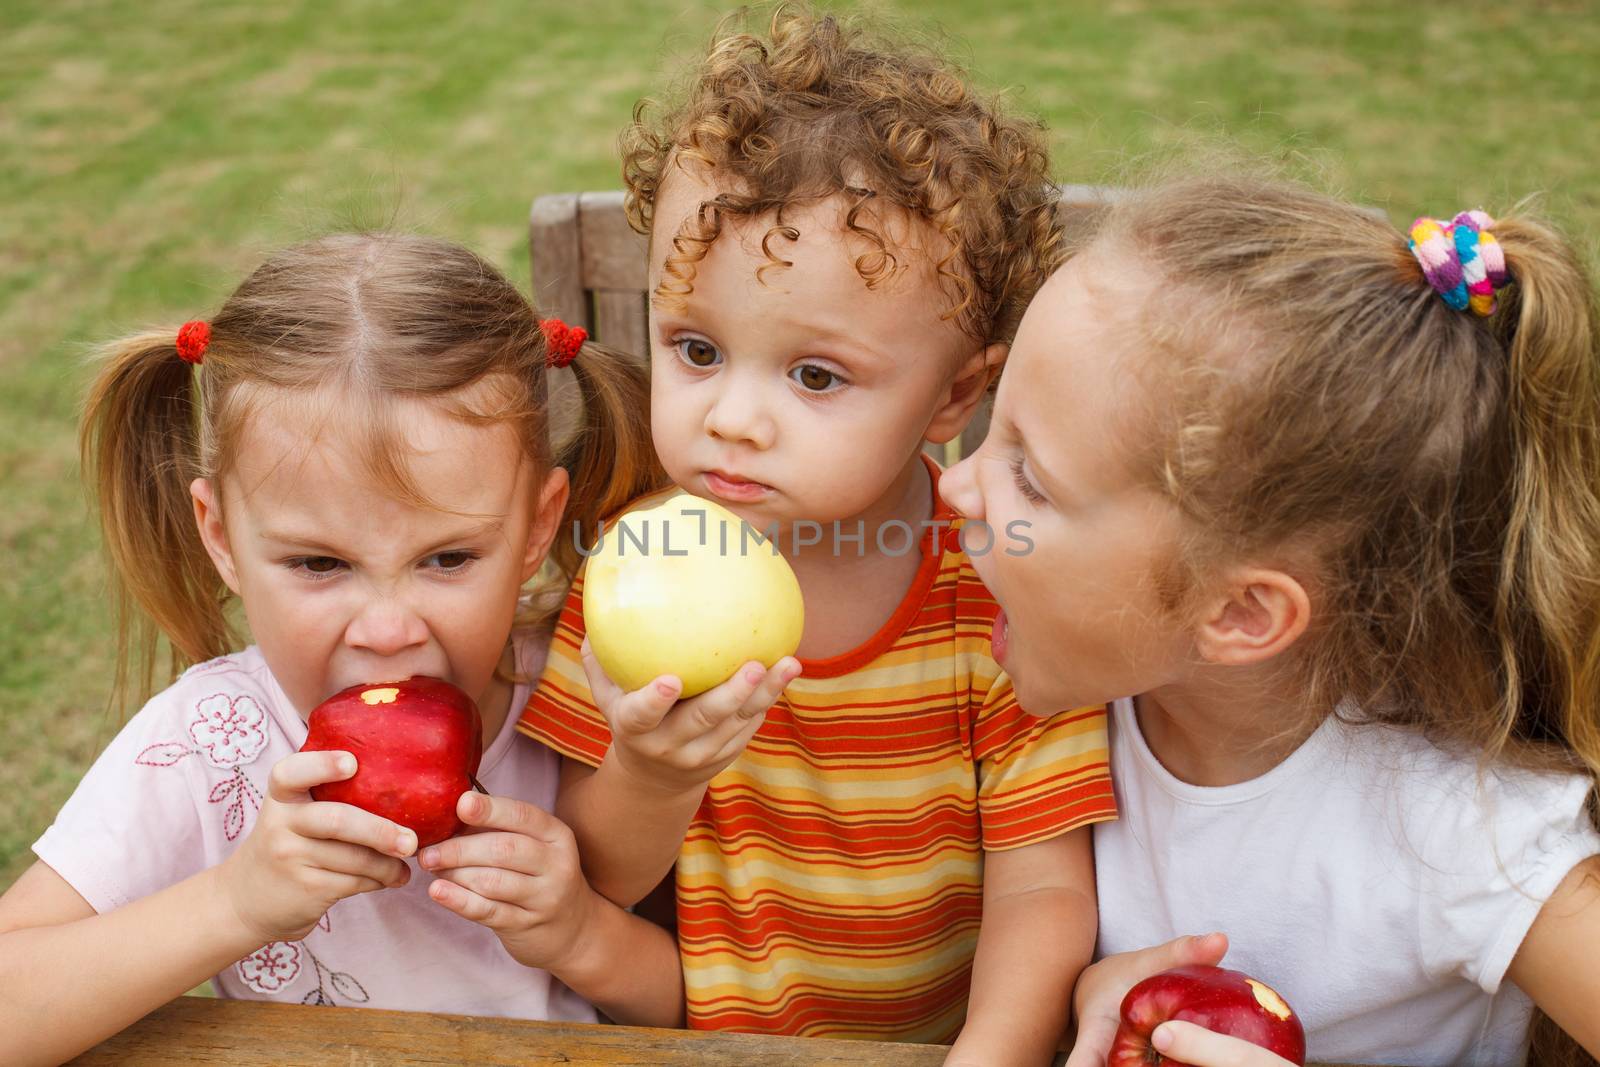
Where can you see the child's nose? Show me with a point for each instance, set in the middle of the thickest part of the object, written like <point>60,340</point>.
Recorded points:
<point>386,627</point>
<point>739,416</point>
<point>959,488</point>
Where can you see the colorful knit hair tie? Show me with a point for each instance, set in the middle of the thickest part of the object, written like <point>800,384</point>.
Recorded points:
<point>561,341</point>
<point>1461,259</point>
<point>193,337</point>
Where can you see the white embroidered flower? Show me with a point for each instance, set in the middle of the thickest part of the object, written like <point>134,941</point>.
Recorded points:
<point>229,730</point>
<point>271,967</point>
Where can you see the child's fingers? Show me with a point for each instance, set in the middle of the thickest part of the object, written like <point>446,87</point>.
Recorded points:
<point>292,777</point>
<point>747,717</point>
<point>1203,949</point>
<point>629,713</point>
<point>703,716</point>
<point>773,683</point>
<point>327,821</point>
<point>494,883</point>
<point>732,737</point>
<point>506,851</point>
<point>469,905</point>
<point>1093,1043</point>
<point>643,710</point>
<point>728,737</point>
<point>511,815</point>
<point>356,861</point>
<point>1183,1042</point>
<point>601,687</point>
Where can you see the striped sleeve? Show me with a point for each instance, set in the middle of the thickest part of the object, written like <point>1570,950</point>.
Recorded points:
<point>1039,778</point>
<point>561,711</point>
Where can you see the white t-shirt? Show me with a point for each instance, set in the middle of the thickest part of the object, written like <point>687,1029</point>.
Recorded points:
<point>179,788</point>
<point>1371,878</point>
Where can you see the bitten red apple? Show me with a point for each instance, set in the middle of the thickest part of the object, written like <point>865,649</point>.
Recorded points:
<point>417,745</point>
<point>1218,999</point>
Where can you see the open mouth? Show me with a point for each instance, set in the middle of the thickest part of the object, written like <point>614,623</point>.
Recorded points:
<point>999,637</point>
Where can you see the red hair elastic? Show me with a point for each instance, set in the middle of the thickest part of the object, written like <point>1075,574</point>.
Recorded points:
<point>561,341</point>
<point>193,337</point>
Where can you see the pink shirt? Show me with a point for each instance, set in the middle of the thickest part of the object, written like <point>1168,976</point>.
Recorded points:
<point>180,787</point>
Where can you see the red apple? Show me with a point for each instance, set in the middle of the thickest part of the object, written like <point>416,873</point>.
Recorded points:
<point>417,745</point>
<point>1213,997</point>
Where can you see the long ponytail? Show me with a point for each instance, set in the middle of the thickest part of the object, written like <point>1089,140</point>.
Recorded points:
<point>1547,606</point>
<point>1548,601</point>
<point>139,446</point>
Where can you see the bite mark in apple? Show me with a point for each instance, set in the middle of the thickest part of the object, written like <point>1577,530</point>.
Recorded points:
<point>1268,998</point>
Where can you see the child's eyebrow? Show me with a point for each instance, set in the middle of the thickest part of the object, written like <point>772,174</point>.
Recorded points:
<point>291,539</point>
<point>294,539</point>
<point>846,339</point>
<point>470,533</point>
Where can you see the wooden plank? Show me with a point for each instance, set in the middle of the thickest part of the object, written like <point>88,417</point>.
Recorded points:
<point>193,1030</point>
<point>556,262</point>
<point>621,320</point>
<point>614,256</point>
<point>255,1033</point>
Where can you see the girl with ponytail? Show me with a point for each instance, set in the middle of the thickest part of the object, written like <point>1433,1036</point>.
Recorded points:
<point>1317,505</point>
<point>355,448</point>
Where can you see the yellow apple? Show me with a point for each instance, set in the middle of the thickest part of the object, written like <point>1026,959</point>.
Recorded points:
<point>685,588</point>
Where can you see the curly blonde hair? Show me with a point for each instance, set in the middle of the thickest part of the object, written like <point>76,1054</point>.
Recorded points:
<point>821,110</point>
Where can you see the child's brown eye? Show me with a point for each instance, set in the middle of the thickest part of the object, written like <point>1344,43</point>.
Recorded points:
<point>815,378</point>
<point>699,353</point>
<point>320,564</point>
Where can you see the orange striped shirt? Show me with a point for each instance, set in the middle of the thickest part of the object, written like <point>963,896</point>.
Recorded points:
<point>831,883</point>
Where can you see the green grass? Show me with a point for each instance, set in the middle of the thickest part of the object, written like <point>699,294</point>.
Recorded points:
<point>150,153</point>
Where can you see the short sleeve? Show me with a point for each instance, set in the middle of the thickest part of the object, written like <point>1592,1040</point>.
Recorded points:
<point>1038,777</point>
<point>561,711</point>
<point>133,826</point>
<point>1496,847</point>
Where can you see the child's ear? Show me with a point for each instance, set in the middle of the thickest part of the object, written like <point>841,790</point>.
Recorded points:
<point>1256,615</point>
<point>965,393</point>
<point>213,534</point>
<point>551,505</point>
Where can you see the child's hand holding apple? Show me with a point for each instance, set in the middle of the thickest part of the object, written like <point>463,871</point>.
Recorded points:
<point>1180,1043</point>
<point>519,876</point>
<point>304,855</point>
<point>1097,998</point>
<point>692,621</point>
<point>677,746</point>
<point>1134,1008</point>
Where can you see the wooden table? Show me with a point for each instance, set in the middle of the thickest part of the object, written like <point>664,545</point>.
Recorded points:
<point>258,1033</point>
